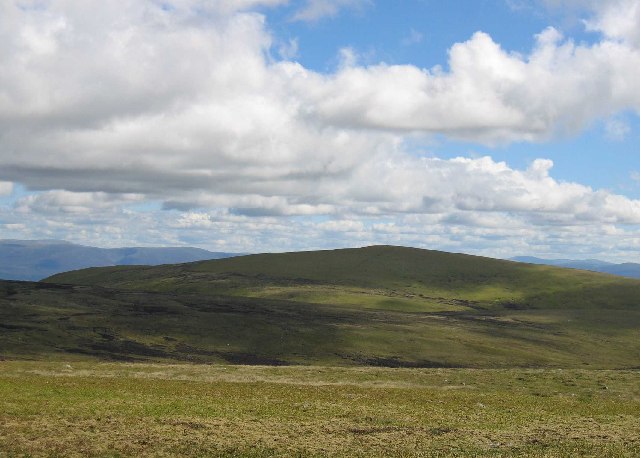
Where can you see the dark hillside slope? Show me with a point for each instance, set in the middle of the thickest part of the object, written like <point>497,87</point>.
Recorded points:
<point>64,322</point>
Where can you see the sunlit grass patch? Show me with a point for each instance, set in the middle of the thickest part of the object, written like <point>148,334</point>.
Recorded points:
<point>95,409</point>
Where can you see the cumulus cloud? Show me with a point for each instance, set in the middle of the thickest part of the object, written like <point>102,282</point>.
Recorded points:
<point>105,104</point>
<point>617,19</point>
<point>488,94</point>
<point>55,202</point>
<point>439,186</point>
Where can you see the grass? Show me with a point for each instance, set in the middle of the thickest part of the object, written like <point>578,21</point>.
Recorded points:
<point>78,322</point>
<point>119,409</point>
<point>383,351</point>
<point>427,278</point>
<point>386,306</point>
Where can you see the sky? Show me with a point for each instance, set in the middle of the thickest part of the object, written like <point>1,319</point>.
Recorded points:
<point>490,127</point>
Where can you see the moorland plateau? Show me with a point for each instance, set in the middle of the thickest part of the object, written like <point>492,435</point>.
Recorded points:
<point>373,351</point>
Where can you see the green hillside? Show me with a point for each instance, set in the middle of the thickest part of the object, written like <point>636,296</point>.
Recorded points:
<point>386,306</point>
<point>383,277</point>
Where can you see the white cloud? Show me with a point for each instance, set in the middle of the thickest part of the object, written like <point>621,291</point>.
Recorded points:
<point>194,220</point>
<point>616,129</point>
<point>183,107</point>
<point>499,235</point>
<point>617,19</point>
<point>488,95</point>
<point>341,226</point>
<point>6,188</point>
<point>56,202</point>
<point>288,49</point>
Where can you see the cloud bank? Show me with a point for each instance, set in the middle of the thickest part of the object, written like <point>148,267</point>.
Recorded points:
<point>105,105</point>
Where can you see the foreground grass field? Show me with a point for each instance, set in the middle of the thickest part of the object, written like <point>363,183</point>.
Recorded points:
<point>123,409</point>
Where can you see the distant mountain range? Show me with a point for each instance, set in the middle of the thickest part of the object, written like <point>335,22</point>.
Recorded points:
<point>36,259</point>
<point>627,269</point>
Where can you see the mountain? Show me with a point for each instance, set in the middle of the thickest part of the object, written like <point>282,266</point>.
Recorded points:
<point>36,259</point>
<point>381,305</point>
<point>627,269</point>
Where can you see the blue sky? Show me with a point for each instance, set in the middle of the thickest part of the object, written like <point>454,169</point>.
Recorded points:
<point>412,31</point>
<point>495,127</point>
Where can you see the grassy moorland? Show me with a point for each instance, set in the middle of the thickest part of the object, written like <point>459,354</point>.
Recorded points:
<point>121,409</point>
<point>381,351</point>
<point>386,306</point>
<point>383,277</point>
<point>63,321</point>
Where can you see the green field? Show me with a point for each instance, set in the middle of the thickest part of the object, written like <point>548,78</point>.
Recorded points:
<point>119,409</point>
<point>380,351</point>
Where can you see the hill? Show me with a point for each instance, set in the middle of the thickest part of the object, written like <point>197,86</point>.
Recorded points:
<point>626,269</point>
<point>388,306</point>
<point>37,259</point>
<point>381,277</point>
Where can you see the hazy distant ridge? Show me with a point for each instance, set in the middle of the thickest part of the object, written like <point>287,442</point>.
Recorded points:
<point>37,259</point>
<point>627,269</point>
